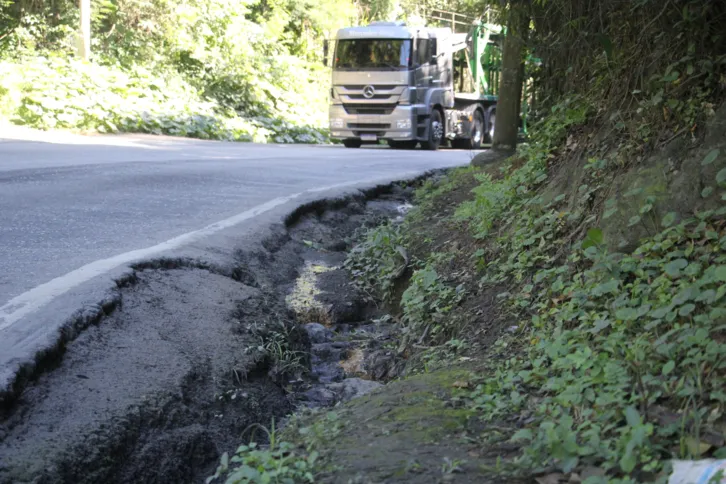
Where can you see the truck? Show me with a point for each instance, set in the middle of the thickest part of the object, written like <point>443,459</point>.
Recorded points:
<point>415,85</point>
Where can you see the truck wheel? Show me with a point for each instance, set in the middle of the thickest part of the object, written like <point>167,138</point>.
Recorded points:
<point>477,132</point>
<point>403,145</point>
<point>490,127</point>
<point>352,143</point>
<point>436,131</point>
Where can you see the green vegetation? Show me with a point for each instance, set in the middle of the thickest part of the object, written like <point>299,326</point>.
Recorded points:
<point>277,463</point>
<point>579,279</point>
<point>212,69</point>
<point>378,261</point>
<point>279,344</point>
<point>586,355</point>
<point>625,366</point>
<point>426,304</point>
<point>209,69</point>
<point>607,358</point>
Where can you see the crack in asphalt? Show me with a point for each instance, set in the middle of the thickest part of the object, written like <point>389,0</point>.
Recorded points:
<point>135,391</point>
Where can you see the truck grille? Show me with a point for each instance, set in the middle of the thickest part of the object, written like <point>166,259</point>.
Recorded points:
<point>375,96</point>
<point>368,126</point>
<point>369,108</point>
<point>377,87</point>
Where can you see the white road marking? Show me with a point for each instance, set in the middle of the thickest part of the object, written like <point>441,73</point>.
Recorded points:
<point>34,299</point>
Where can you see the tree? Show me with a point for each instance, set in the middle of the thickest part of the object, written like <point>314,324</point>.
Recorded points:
<point>84,34</point>
<point>510,81</point>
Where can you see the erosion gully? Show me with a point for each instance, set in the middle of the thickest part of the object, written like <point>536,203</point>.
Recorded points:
<point>170,377</point>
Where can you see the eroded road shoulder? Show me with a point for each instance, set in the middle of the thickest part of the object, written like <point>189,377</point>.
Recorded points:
<point>162,386</point>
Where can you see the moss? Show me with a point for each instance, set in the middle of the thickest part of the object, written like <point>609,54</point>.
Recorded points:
<point>393,432</point>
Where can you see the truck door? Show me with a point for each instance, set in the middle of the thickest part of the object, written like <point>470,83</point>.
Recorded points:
<point>424,69</point>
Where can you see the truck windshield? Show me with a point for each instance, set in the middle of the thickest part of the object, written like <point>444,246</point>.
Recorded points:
<point>373,54</point>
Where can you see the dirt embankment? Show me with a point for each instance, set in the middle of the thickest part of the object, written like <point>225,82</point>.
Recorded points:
<point>177,371</point>
<point>464,411</point>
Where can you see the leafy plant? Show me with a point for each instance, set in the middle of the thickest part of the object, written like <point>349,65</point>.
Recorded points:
<point>426,304</point>
<point>277,463</point>
<point>279,345</point>
<point>627,361</point>
<point>61,92</point>
<point>379,260</point>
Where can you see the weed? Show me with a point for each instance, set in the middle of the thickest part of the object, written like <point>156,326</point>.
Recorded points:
<point>379,260</point>
<point>451,466</point>
<point>426,305</point>
<point>278,345</point>
<point>625,365</point>
<point>277,463</point>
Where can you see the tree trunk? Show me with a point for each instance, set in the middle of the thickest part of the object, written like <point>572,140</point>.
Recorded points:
<point>84,34</point>
<point>510,81</point>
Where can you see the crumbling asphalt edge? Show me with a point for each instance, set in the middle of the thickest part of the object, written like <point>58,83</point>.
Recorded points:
<point>48,358</point>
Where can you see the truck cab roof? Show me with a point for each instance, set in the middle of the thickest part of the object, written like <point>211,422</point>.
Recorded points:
<point>390,30</point>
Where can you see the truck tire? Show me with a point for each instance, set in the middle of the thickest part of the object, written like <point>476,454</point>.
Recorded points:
<point>352,143</point>
<point>402,145</point>
<point>435,131</point>
<point>490,126</point>
<point>474,141</point>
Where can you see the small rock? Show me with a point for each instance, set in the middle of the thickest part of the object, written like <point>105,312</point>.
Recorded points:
<point>328,372</point>
<point>318,333</point>
<point>319,396</point>
<point>328,351</point>
<point>351,388</point>
<point>336,246</point>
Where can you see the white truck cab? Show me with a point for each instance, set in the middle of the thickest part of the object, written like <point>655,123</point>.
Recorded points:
<point>396,83</point>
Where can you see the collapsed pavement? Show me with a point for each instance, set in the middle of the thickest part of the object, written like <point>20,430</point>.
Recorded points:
<point>164,383</point>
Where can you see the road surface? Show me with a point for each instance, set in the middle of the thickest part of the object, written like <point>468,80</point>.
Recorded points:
<point>76,211</point>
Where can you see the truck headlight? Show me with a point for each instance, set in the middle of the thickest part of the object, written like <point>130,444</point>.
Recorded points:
<point>403,124</point>
<point>336,123</point>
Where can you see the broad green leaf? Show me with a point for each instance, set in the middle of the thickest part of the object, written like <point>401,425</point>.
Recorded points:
<point>522,434</point>
<point>595,235</point>
<point>710,157</point>
<point>626,314</point>
<point>633,192</point>
<point>706,192</point>
<point>668,367</point>
<point>721,177</point>
<point>628,462</point>
<point>633,220</point>
<point>674,268</point>
<point>671,76</point>
<point>669,219</point>
<point>632,416</point>
<point>610,286</point>
<point>686,309</point>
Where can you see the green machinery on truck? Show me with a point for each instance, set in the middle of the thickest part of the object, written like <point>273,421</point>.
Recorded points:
<point>410,85</point>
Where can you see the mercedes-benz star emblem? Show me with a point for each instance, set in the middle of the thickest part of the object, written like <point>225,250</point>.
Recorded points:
<point>368,92</point>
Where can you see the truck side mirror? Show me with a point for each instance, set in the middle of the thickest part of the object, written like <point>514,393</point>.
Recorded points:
<point>434,50</point>
<point>326,49</point>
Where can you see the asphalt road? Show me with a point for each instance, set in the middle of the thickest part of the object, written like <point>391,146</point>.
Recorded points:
<point>76,211</point>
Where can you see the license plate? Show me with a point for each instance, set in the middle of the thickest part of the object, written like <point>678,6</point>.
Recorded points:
<point>368,137</point>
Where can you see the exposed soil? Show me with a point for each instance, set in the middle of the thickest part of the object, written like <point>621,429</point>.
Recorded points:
<point>161,387</point>
<point>418,428</point>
